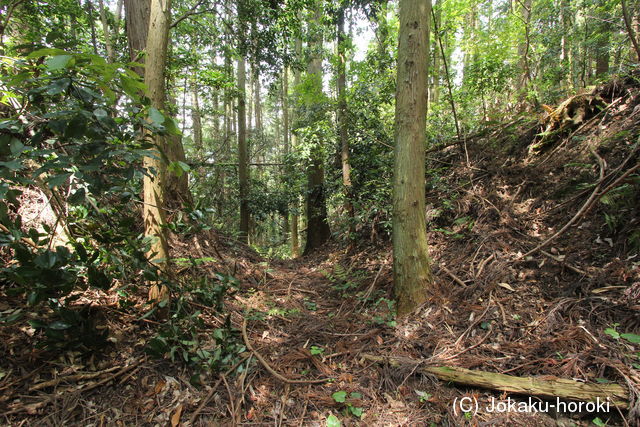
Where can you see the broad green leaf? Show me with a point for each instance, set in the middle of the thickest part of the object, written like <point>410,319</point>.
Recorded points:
<point>612,332</point>
<point>156,116</point>
<point>58,62</point>
<point>45,52</point>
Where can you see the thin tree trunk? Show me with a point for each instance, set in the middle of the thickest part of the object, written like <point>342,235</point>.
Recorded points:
<point>285,140</point>
<point>295,241</point>
<point>449,85</point>
<point>256,102</point>
<point>318,231</point>
<point>107,34</point>
<point>342,127</point>
<point>156,58</point>
<point>243,159</point>
<point>411,264</point>
<point>92,25</point>
<point>196,119</point>
<point>436,58</point>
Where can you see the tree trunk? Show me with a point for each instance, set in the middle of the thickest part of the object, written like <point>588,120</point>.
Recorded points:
<point>411,264</point>
<point>243,159</point>
<point>285,140</point>
<point>436,58</point>
<point>137,14</point>
<point>196,119</point>
<point>154,220</point>
<point>295,242</point>
<point>107,34</point>
<point>256,101</point>
<point>318,231</point>
<point>342,127</point>
<point>524,46</point>
<point>137,25</point>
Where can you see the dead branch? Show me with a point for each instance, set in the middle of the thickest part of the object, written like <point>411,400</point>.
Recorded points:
<point>556,387</point>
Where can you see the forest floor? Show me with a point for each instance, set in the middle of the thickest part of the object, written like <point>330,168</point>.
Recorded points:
<point>313,319</point>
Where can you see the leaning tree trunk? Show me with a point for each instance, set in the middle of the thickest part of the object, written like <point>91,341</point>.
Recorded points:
<point>156,58</point>
<point>411,263</point>
<point>318,231</point>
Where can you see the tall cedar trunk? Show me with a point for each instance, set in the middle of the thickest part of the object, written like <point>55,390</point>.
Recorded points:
<point>411,264</point>
<point>156,58</point>
<point>285,139</point>
<point>243,158</point>
<point>295,241</point>
<point>342,126</point>
<point>137,13</point>
<point>318,231</point>
<point>256,101</point>
<point>196,119</point>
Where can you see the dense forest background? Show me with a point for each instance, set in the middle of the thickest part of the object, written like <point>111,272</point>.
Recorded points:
<point>455,183</point>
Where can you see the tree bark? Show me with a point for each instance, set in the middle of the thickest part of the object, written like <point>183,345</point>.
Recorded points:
<point>156,44</point>
<point>411,264</point>
<point>137,26</point>
<point>107,34</point>
<point>318,231</point>
<point>285,140</point>
<point>196,119</point>
<point>243,159</point>
<point>295,241</point>
<point>342,127</point>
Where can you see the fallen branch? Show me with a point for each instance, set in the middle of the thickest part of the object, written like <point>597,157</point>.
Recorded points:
<point>38,405</point>
<point>70,378</point>
<point>556,387</point>
<point>453,276</point>
<point>268,367</point>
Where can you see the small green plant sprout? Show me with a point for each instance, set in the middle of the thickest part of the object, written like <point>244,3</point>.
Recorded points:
<point>315,350</point>
<point>423,396</point>
<point>613,333</point>
<point>341,397</point>
<point>333,421</point>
